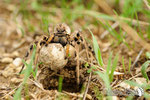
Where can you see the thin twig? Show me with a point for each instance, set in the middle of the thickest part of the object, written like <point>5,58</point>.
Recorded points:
<point>87,87</point>
<point>37,84</point>
<point>77,95</point>
<point>139,74</point>
<point>137,58</point>
<point>73,94</point>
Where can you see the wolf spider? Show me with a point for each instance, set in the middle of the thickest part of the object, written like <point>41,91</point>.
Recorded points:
<point>62,34</point>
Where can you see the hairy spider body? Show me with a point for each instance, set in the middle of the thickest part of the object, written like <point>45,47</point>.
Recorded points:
<point>62,35</point>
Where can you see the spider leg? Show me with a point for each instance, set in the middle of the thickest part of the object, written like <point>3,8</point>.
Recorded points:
<point>21,69</point>
<point>26,56</point>
<point>79,42</point>
<point>36,55</point>
<point>42,42</point>
<point>76,44</point>
<point>67,50</point>
<point>78,64</point>
<point>50,39</point>
<point>38,44</point>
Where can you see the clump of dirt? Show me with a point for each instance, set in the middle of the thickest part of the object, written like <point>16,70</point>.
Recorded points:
<point>49,78</point>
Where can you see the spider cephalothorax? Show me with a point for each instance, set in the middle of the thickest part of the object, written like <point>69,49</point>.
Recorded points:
<point>60,35</point>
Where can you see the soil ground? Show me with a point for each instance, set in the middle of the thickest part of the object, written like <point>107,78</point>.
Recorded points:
<point>21,22</point>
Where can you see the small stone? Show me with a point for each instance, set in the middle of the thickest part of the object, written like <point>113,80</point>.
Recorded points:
<point>7,71</point>
<point>15,53</point>
<point>7,60</point>
<point>17,61</point>
<point>16,80</point>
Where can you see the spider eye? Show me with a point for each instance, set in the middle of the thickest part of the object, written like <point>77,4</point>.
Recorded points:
<point>44,38</point>
<point>78,34</point>
<point>78,42</point>
<point>75,39</point>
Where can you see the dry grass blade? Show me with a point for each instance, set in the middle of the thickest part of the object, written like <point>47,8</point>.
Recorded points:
<point>146,3</point>
<point>37,84</point>
<point>134,35</point>
<point>137,58</point>
<point>101,17</point>
<point>77,95</point>
<point>12,91</point>
<point>137,75</point>
<point>133,21</point>
<point>85,93</point>
<point>104,6</point>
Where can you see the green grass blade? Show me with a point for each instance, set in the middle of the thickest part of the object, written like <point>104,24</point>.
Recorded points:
<point>148,55</point>
<point>132,83</point>
<point>105,78</point>
<point>17,95</point>
<point>27,73</point>
<point>148,32</point>
<point>143,70</point>
<point>114,33</point>
<point>129,98</point>
<point>97,50</point>
<point>123,64</point>
<point>34,72</point>
<point>22,31</point>
<point>60,82</point>
<point>114,65</point>
<point>129,66</point>
<point>45,23</point>
<point>97,15</point>
<point>29,69</point>
<point>109,64</point>
<point>91,68</point>
<point>147,95</point>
